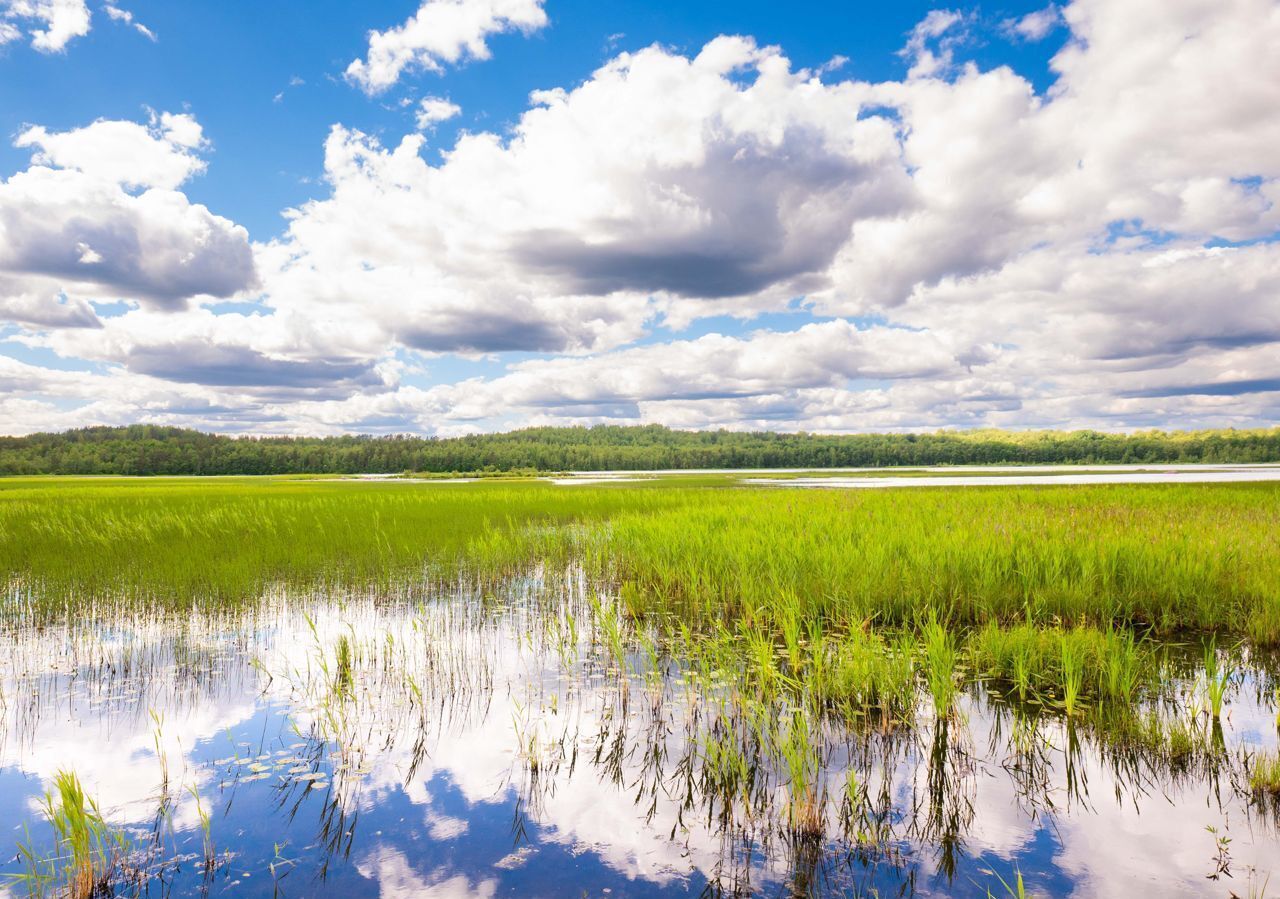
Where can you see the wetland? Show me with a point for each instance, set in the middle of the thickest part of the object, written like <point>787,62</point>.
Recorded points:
<point>274,687</point>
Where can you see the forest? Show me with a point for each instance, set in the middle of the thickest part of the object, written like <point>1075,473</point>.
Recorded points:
<point>155,450</point>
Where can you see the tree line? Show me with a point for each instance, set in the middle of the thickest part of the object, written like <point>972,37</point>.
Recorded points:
<point>154,450</point>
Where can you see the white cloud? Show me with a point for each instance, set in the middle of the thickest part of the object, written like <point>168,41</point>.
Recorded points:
<point>435,109</point>
<point>713,367</point>
<point>942,27</point>
<point>998,170</point>
<point>98,216</point>
<point>161,154</point>
<point>52,24</point>
<point>603,198</point>
<point>1033,257</point>
<point>441,32</point>
<point>123,15</point>
<point>1034,26</point>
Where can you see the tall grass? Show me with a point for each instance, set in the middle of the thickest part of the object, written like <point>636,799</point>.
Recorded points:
<point>87,850</point>
<point>856,598</point>
<point>1159,558</point>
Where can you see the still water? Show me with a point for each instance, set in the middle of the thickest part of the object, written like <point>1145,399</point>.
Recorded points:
<point>490,743</point>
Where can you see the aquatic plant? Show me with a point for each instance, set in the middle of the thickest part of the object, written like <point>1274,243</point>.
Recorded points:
<point>206,831</point>
<point>1264,774</point>
<point>1216,680</point>
<point>939,661</point>
<point>87,853</point>
<point>342,676</point>
<point>1016,890</point>
<point>798,750</point>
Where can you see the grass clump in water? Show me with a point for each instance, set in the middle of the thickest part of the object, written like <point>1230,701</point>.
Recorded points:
<point>940,661</point>
<point>1264,775</point>
<point>1066,667</point>
<point>864,676</point>
<point>87,851</point>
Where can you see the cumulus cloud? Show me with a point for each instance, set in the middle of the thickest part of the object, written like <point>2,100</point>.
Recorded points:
<point>1102,253</point>
<point>1034,26</point>
<point>606,203</point>
<point>160,154</point>
<point>998,170</point>
<point>435,109</point>
<point>98,217</point>
<point>51,24</point>
<point>442,32</point>
<point>713,367</point>
<point>930,45</point>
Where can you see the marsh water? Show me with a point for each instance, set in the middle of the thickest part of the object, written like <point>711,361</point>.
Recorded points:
<point>508,741</point>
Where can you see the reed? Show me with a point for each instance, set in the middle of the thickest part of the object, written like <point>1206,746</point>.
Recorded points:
<point>1139,557</point>
<point>87,851</point>
<point>1264,775</point>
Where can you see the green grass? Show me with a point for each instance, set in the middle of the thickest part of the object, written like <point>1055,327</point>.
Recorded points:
<point>1164,558</point>
<point>1264,775</point>
<point>1065,666</point>
<point>854,603</point>
<point>87,849</point>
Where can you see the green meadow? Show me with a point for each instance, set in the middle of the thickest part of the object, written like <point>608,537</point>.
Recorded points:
<point>1154,559</point>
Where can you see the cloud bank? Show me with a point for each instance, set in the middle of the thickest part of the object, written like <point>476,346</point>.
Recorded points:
<point>707,239</point>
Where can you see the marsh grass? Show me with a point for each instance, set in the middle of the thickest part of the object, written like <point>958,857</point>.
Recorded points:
<point>1217,680</point>
<point>1143,557</point>
<point>1067,666</point>
<point>1264,775</point>
<point>87,850</point>
<point>772,620</point>
<point>210,853</point>
<point>940,660</point>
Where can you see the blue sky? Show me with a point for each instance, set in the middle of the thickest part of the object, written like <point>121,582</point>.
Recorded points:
<point>227,62</point>
<point>746,215</point>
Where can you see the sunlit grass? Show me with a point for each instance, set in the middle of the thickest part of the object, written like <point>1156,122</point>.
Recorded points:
<point>1158,558</point>
<point>86,851</point>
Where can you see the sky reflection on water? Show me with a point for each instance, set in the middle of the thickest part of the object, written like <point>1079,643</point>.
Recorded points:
<point>491,748</point>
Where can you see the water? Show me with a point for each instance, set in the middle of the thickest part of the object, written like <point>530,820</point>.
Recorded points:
<point>1042,475</point>
<point>490,744</point>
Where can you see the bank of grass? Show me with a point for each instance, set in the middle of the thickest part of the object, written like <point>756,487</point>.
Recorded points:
<point>1146,558</point>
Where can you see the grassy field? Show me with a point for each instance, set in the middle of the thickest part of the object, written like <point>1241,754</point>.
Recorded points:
<point>1169,558</point>
<point>1066,592</point>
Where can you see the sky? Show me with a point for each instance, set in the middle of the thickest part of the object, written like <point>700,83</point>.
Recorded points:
<point>458,216</point>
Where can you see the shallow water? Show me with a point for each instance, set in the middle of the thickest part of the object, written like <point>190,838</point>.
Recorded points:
<point>1047,476</point>
<point>484,744</point>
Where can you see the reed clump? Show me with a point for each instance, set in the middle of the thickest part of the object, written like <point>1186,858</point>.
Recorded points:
<point>87,851</point>
<point>1066,666</point>
<point>1264,775</point>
